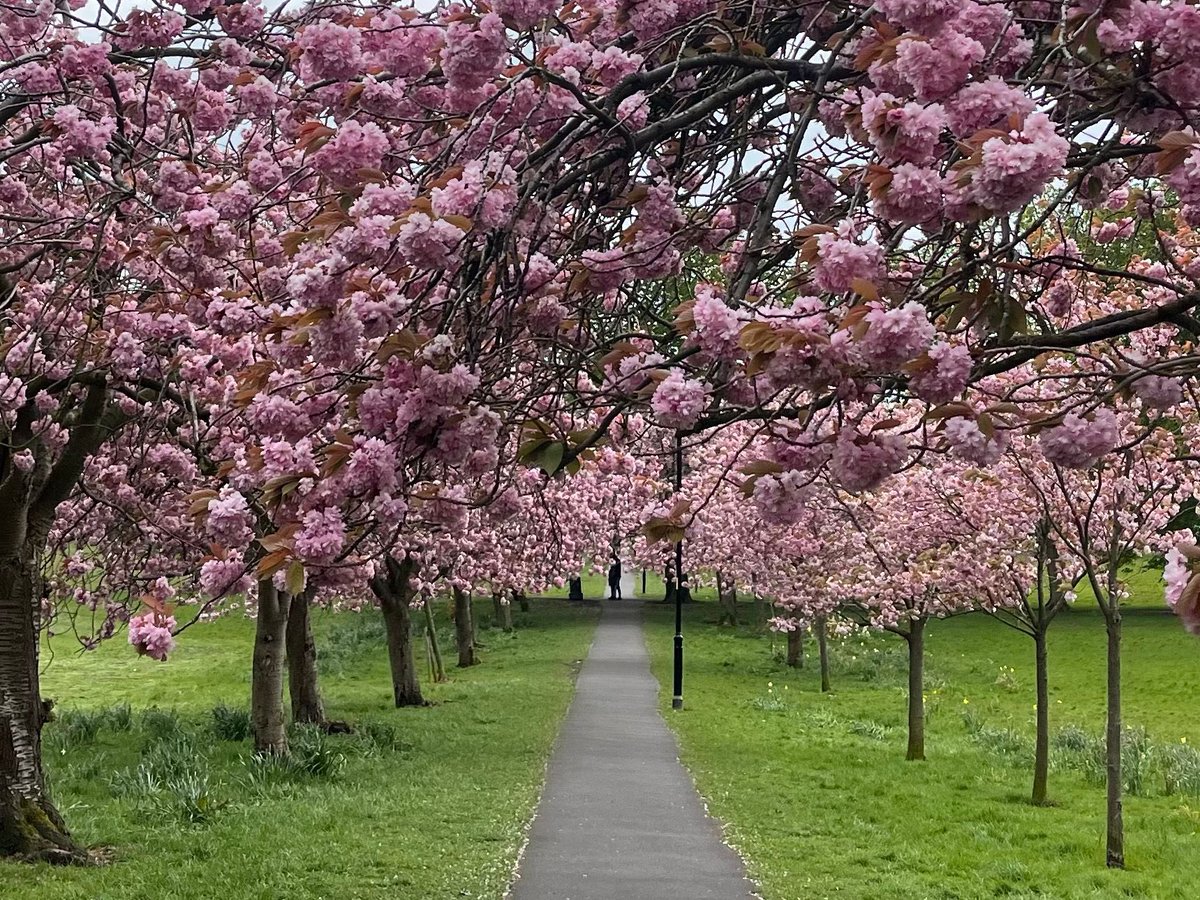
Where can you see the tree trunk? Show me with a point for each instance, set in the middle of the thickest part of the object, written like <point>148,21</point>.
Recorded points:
<point>435,649</point>
<point>30,827</point>
<point>795,648</point>
<point>669,585</point>
<point>916,690</point>
<point>303,686</point>
<point>522,601</point>
<point>464,630</point>
<point>727,594</point>
<point>266,673</point>
<point>496,614</point>
<point>1115,845</point>
<point>1041,752</point>
<point>394,594</point>
<point>823,649</point>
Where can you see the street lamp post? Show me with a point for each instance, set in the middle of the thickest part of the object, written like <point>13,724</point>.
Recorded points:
<point>677,697</point>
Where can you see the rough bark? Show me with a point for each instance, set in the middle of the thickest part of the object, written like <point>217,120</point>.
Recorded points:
<point>30,827</point>
<point>823,650</point>
<point>1041,751</point>
<point>1115,844</point>
<point>266,673</point>
<point>464,629</point>
<point>394,594</point>
<point>916,690</point>
<point>795,648</point>
<point>303,685</point>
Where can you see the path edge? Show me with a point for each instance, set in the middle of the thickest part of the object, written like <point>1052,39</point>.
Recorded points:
<point>515,875</point>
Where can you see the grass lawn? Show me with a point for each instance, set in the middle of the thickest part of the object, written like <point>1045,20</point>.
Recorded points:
<point>420,803</point>
<point>819,800</point>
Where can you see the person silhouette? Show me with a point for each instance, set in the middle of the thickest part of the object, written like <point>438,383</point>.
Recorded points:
<point>614,580</point>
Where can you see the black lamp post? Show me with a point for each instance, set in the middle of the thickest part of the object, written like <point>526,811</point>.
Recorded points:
<point>677,697</point>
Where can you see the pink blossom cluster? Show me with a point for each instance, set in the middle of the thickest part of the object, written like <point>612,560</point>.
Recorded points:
<point>151,634</point>
<point>678,401</point>
<point>862,462</point>
<point>1079,442</point>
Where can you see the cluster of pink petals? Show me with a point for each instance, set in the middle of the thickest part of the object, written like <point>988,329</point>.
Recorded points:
<point>860,463</point>
<point>947,377</point>
<point>1177,574</point>
<point>780,498</point>
<point>894,336</point>
<point>1159,391</point>
<point>151,634</point>
<point>678,401</point>
<point>967,441</point>
<point>717,324</point>
<point>1080,442</point>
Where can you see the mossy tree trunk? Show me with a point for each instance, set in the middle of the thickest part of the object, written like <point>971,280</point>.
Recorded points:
<point>1114,851</point>
<point>795,648</point>
<point>30,826</point>
<point>394,593</point>
<point>303,684</point>
<point>1041,750</point>
<point>823,650</point>
<point>915,636</point>
<point>464,629</point>
<point>266,675</point>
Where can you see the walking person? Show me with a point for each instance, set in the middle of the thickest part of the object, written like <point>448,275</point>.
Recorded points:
<point>614,580</point>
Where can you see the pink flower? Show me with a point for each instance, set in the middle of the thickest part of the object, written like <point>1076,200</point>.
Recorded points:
<point>1178,576</point>
<point>924,16</point>
<point>840,261</point>
<point>1015,170</point>
<point>678,401</point>
<point>473,53</point>
<point>221,577</point>
<point>983,104</point>
<point>937,68</point>
<point>150,634</point>
<point>322,536</point>
<point>861,462</point>
<point>894,336</point>
<point>908,133</point>
<point>331,51</point>
<point>81,137</point>
<point>967,441</point>
<point>947,377</point>
<point>427,242</point>
<point>229,521</point>
<point>1159,391</point>
<point>1078,442</point>
<point>780,498</point>
<point>355,146</point>
<point>717,324</point>
<point>913,196</point>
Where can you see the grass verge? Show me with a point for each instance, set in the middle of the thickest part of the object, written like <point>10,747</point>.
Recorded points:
<point>151,760</point>
<point>818,798</point>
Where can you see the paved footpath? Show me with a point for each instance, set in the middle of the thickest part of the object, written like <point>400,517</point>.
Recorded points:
<point>620,818</point>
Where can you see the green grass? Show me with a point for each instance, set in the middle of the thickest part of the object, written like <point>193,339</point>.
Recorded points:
<point>428,803</point>
<point>818,798</point>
